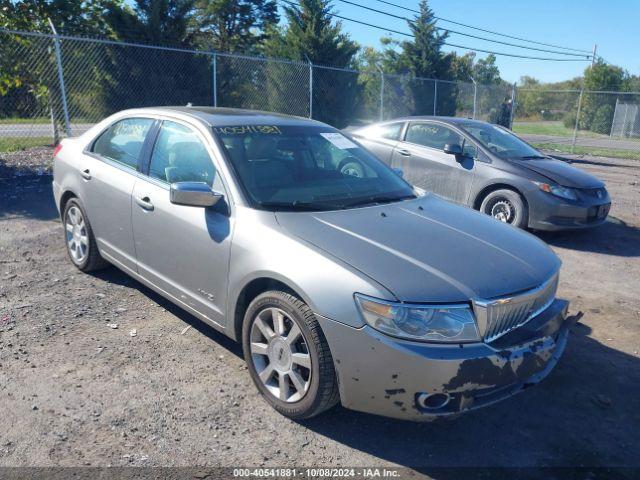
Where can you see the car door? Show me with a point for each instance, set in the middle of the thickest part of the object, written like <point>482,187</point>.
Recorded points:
<point>422,158</point>
<point>109,174</point>
<point>183,250</point>
<point>381,139</point>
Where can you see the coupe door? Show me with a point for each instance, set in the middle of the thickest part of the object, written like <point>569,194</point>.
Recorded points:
<point>110,172</point>
<point>182,250</point>
<point>381,139</point>
<point>421,157</point>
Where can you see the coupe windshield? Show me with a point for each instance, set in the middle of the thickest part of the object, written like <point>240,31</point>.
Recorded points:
<point>307,168</point>
<point>501,142</point>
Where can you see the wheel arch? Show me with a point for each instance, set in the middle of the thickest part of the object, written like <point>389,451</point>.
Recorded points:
<point>64,198</point>
<point>251,290</point>
<point>482,194</point>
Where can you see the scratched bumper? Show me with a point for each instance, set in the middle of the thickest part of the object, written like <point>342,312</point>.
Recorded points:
<point>383,375</point>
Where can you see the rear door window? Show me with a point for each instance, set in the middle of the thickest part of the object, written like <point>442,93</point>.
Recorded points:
<point>388,131</point>
<point>123,141</point>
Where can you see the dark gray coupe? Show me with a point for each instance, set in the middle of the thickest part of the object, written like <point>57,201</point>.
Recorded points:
<point>488,168</point>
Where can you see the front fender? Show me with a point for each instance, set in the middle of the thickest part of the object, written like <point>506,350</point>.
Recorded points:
<point>262,249</point>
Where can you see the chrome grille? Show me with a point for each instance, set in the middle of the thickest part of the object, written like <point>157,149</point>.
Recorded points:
<point>503,315</point>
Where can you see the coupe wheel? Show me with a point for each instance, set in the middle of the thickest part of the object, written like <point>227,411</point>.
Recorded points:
<point>287,355</point>
<point>506,206</point>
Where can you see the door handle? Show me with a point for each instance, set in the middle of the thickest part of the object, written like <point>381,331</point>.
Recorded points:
<point>404,153</point>
<point>86,174</point>
<point>144,202</point>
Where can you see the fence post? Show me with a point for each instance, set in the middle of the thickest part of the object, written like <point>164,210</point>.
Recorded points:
<point>475,96</point>
<point>575,128</point>
<point>214,68</point>
<point>381,93</point>
<point>63,93</point>
<point>513,106</point>
<point>613,121</point>
<point>310,88</point>
<point>435,97</point>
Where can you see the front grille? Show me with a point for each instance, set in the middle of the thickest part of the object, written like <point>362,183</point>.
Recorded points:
<point>503,315</point>
<point>594,192</point>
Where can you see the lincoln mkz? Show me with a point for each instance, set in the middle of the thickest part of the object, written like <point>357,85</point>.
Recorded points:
<point>342,287</point>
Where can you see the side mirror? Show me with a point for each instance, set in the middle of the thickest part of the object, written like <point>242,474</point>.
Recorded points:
<point>194,194</point>
<point>453,149</point>
<point>399,172</point>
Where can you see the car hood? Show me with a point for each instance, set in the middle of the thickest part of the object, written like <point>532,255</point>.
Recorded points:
<point>561,173</point>
<point>429,250</point>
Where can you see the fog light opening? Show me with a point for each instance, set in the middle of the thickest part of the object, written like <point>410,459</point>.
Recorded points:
<point>432,401</point>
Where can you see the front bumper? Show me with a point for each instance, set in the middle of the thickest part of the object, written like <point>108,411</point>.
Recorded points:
<point>383,375</point>
<point>547,212</point>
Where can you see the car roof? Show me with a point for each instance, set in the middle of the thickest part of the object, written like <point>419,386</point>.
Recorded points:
<point>450,120</point>
<point>216,116</point>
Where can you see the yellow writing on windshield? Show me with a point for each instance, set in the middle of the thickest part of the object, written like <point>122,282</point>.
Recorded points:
<point>244,129</point>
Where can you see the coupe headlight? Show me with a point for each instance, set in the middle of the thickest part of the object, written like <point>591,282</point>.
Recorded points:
<point>558,191</point>
<point>430,323</point>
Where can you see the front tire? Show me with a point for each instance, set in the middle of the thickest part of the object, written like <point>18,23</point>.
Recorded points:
<point>506,206</point>
<point>79,239</point>
<point>288,356</point>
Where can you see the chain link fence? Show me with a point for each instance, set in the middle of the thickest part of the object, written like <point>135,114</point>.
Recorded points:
<point>579,121</point>
<point>55,85</point>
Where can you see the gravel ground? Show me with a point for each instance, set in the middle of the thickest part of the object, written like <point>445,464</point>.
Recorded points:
<point>79,388</point>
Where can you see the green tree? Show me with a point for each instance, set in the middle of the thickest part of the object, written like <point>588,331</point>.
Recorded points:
<point>597,108</point>
<point>134,76</point>
<point>486,72</point>
<point>423,57</point>
<point>234,25</point>
<point>71,17</point>
<point>312,35</point>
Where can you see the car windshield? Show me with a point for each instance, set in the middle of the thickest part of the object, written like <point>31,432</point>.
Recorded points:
<point>501,142</point>
<point>307,168</point>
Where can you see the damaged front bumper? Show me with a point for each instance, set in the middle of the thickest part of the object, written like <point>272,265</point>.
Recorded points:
<point>423,381</point>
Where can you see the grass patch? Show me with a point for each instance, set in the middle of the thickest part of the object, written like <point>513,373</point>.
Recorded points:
<point>15,144</point>
<point>23,121</point>
<point>551,128</point>
<point>595,151</point>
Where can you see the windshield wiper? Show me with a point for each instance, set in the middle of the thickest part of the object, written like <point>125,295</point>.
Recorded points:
<point>376,200</point>
<point>533,157</point>
<point>300,206</point>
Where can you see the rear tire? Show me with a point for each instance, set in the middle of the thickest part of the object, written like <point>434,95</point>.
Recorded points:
<point>288,356</point>
<point>79,240</point>
<point>507,206</point>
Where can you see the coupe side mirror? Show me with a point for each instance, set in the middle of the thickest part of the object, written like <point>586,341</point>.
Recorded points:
<point>194,194</point>
<point>453,149</point>
<point>399,172</point>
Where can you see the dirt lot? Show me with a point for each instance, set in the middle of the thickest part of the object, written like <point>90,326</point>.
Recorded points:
<point>75,390</point>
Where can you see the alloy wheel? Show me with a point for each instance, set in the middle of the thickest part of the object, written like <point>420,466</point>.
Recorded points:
<point>280,355</point>
<point>76,232</point>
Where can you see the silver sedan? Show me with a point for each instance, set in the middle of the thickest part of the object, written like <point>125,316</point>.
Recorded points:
<point>359,289</point>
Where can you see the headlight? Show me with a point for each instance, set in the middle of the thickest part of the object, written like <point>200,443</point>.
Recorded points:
<point>557,190</point>
<point>431,323</point>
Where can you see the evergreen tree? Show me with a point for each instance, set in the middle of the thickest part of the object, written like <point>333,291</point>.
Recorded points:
<point>312,35</point>
<point>234,25</point>
<point>423,57</point>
